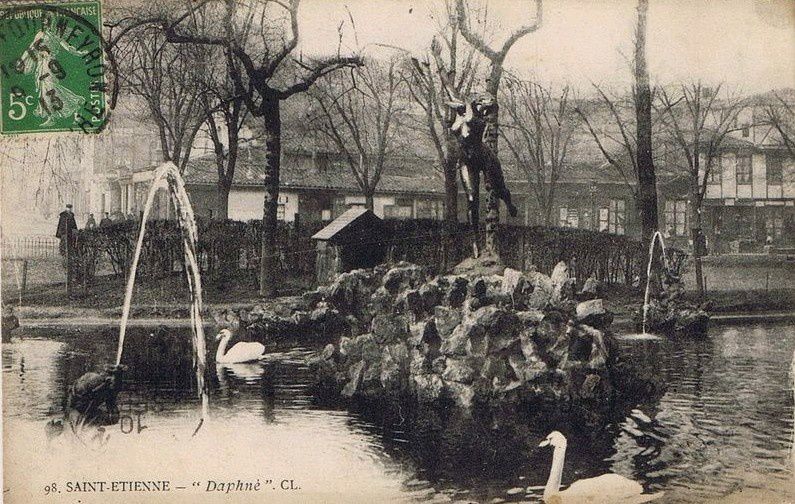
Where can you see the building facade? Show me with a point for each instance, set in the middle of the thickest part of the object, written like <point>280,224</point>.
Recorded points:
<point>315,187</point>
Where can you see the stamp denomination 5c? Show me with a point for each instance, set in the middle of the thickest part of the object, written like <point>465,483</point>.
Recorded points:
<point>52,69</point>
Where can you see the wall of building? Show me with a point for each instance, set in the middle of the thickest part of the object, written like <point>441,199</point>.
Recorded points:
<point>599,207</point>
<point>742,217</point>
<point>244,203</point>
<point>759,188</point>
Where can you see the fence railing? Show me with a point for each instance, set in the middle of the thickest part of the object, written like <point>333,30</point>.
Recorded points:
<point>28,247</point>
<point>228,246</point>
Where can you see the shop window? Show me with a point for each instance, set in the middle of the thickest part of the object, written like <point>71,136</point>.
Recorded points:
<point>743,169</point>
<point>676,218</point>
<point>774,223</point>
<point>604,219</point>
<point>574,218</point>
<point>430,209</point>
<point>280,212</point>
<point>569,217</point>
<point>738,223</point>
<point>617,215</point>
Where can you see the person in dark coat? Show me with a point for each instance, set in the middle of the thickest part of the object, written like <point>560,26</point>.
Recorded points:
<point>10,322</point>
<point>700,247</point>
<point>91,223</point>
<point>66,228</point>
<point>105,222</point>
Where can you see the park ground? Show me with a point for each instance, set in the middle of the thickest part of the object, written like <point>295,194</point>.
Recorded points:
<point>750,285</point>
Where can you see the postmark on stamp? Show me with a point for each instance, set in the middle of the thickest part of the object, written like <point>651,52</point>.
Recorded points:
<point>53,68</point>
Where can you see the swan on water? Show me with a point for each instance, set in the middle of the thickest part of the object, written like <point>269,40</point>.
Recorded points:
<point>607,488</point>
<point>240,352</point>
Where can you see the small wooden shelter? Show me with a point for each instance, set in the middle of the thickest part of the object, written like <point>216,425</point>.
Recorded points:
<point>355,239</point>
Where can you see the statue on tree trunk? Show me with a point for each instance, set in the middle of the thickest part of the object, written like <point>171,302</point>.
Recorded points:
<point>469,126</point>
<point>468,120</point>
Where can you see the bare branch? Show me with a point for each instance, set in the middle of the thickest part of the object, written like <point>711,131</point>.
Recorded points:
<point>321,68</point>
<point>480,44</point>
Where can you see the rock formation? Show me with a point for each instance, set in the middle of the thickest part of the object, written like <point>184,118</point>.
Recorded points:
<point>471,339</point>
<point>669,312</point>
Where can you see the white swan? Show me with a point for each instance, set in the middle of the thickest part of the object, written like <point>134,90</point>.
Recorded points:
<point>607,488</point>
<point>240,352</point>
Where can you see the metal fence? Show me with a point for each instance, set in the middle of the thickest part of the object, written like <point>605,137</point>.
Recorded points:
<point>29,247</point>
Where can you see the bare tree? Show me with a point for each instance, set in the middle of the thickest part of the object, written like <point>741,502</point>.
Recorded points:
<point>538,131</point>
<point>780,114</point>
<point>429,92</point>
<point>357,114</point>
<point>225,115</point>
<point>631,152</point>
<point>42,173</point>
<point>262,67</point>
<point>698,120</point>
<point>610,120</point>
<point>165,77</point>
<point>496,58</point>
<point>646,176</point>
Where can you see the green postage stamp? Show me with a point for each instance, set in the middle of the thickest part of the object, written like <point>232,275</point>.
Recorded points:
<point>52,68</point>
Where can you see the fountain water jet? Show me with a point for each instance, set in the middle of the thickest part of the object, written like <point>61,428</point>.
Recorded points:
<point>656,236</point>
<point>169,173</point>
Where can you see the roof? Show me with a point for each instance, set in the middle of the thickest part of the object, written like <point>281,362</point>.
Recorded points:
<point>344,221</point>
<point>412,175</point>
<point>299,170</point>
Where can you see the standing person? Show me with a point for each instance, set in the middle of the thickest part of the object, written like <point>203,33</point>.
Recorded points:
<point>91,223</point>
<point>10,322</point>
<point>105,222</point>
<point>701,244</point>
<point>66,228</point>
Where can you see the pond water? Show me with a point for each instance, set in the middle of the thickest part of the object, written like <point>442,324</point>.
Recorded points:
<point>724,422</point>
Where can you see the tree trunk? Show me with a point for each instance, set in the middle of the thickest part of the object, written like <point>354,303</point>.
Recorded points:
<point>450,201</point>
<point>647,179</point>
<point>222,200</point>
<point>226,177</point>
<point>695,233</point>
<point>273,147</point>
<point>451,182</point>
<point>368,201</point>
<point>491,137</point>
<point>228,251</point>
<point>493,88</point>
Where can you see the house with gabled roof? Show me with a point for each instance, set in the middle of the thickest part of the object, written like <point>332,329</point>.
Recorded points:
<point>316,186</point>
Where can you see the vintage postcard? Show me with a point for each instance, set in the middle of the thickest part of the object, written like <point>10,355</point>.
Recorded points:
<point>376,251</point>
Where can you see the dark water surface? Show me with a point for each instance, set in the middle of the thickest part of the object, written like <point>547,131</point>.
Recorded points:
<point>724,422</point>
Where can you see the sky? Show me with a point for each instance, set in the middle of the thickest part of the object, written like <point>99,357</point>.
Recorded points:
<point>749,44</point>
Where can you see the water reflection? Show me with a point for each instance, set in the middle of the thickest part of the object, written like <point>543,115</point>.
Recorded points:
<point>726,412</point>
